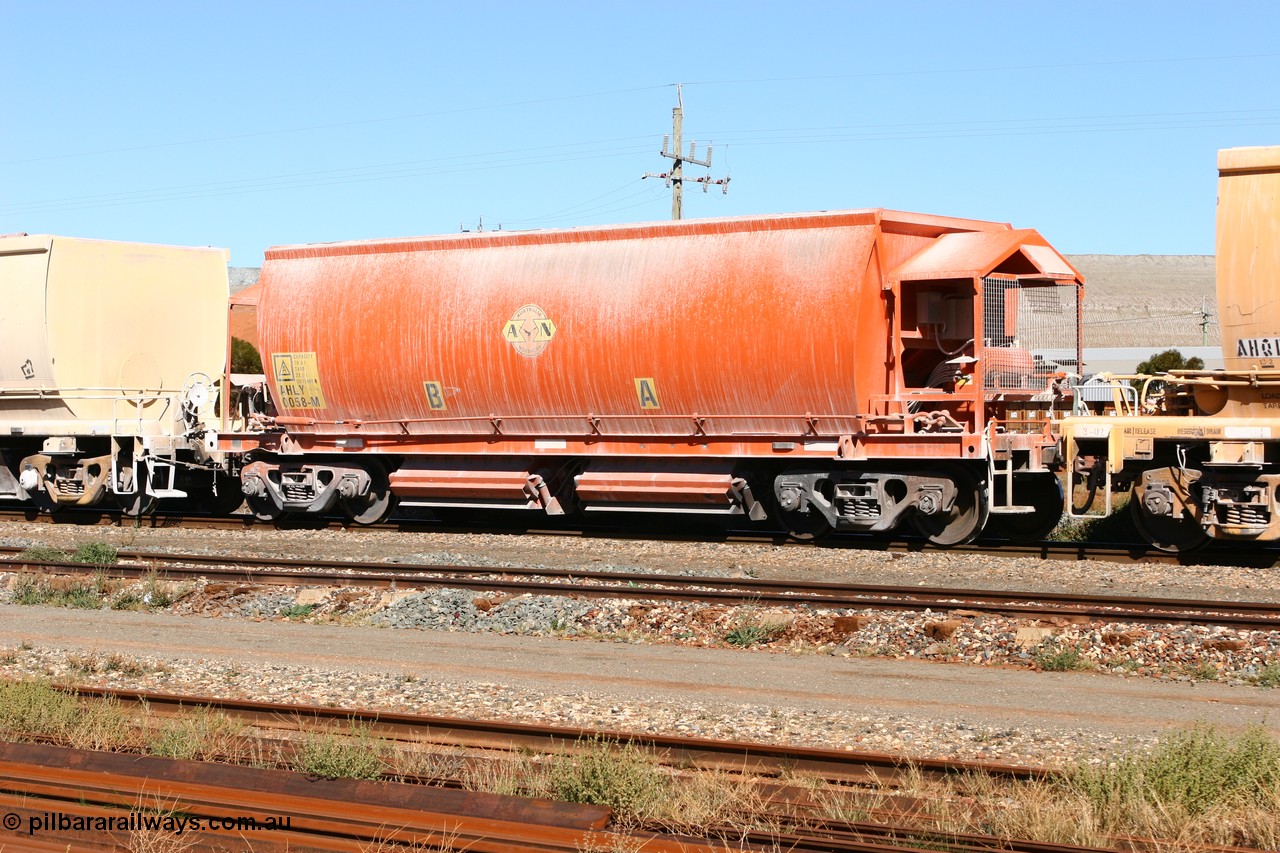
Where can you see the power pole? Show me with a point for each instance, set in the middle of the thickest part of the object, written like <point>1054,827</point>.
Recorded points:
<point>675,177</point>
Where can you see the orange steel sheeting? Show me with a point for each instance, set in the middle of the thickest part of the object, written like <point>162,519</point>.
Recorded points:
<point>750,323</point>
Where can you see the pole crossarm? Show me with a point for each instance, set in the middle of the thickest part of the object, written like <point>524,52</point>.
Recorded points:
<point>671,145</point>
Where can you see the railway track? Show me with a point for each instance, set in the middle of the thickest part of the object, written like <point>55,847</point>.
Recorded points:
<point>95,783</point>
<point>57,798</point>
<point>39,782</point>
<point>1047,550</point>
<point>706,589</point>
<point>837,766</point>
<point>66,796</point>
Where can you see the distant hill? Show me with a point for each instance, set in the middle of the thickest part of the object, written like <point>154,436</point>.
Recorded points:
<point>242,277</point>
<point>1147,300</point>
<point>1130,300</point>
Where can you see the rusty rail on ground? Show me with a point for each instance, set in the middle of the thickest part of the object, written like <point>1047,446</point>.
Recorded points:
<point>57,798</point>
<point>738,756</point>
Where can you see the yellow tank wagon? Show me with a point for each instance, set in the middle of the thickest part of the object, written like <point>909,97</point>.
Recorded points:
<point>1200,450</point>
<point>110,355</point>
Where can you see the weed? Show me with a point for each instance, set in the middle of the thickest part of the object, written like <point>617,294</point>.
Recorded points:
<point>96,554</point>
<point>1203,672</point>
<point>124,665</point>
<point>520,778</point>
<point>336,754</point>
<point>298,611</point>
<point>751,629</point>
<point>82,596</point>
<point>1049,658</point>
<point>1268,676</point>
<point>625,778</point>
<point>159,830</point>
<point>749,635</point>
<point>848,805</point>
<point>156,593</point>
<point>104,726</point>
<point>202,735</point>
<point>59,592</point>
<point>394,840</point>
<point>30,590</point>
<point>1116,527</point>
<point>1194,771</point>
<point>45,554</point>
<point>1072,529</point>
<point>85,664</point>
<point>609,842</point>
<point>1125,665</point>
<point>33,710</point>
<point>429,763</point>
<point>129,599</point>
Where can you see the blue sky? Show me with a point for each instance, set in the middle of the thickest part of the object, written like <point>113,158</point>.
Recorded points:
<point>247,125</point>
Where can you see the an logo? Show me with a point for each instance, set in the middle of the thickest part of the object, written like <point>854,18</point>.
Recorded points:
<point>529,330</point>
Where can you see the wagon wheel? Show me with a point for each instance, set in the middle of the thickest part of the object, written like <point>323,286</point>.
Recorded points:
<point>804,526</point>
<point>966,519</point>
<point>228,497</point>
<point>1174,535</point>
<point>801,523</point>
<point>135,503</point>
<point>263,508</point>
<point>373,506</point>
<point>1042,492</point>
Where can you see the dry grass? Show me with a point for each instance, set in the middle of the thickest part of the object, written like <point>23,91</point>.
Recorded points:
<point>200,735</point>
<point>350,752</point>
<point>1199,787</point>
<point>396,840</point>
<point>158,838</point>
<point>427,762</point>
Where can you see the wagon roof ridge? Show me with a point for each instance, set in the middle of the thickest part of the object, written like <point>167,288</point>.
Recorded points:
<point>889,220</point>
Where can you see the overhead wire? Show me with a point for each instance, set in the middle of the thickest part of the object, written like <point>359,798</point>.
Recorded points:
<point>548,216</point>
<point>544,155</point>
<point>984,69</point>
<point>301,181</point>
<point>631,90</point>
<point>839,134</point>
<point>333,125</point>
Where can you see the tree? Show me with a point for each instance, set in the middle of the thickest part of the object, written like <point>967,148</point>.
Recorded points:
<point>1163,362</point>
<point>1170,359</point>
<point>244,357</point>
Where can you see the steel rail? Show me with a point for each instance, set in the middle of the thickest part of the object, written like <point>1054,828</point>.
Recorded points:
<point>340,815</point>
<point>1242,615</point>
<point>843,766</point>
<point>1215,554</point>
<point>38,782</point>
<point>797,807</point>
<point>67,791</point>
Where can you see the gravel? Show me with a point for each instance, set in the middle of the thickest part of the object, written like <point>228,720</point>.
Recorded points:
<point>1174,654</point>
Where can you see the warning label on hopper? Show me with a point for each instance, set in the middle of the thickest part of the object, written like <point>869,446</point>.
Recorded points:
<point>297,380</point>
